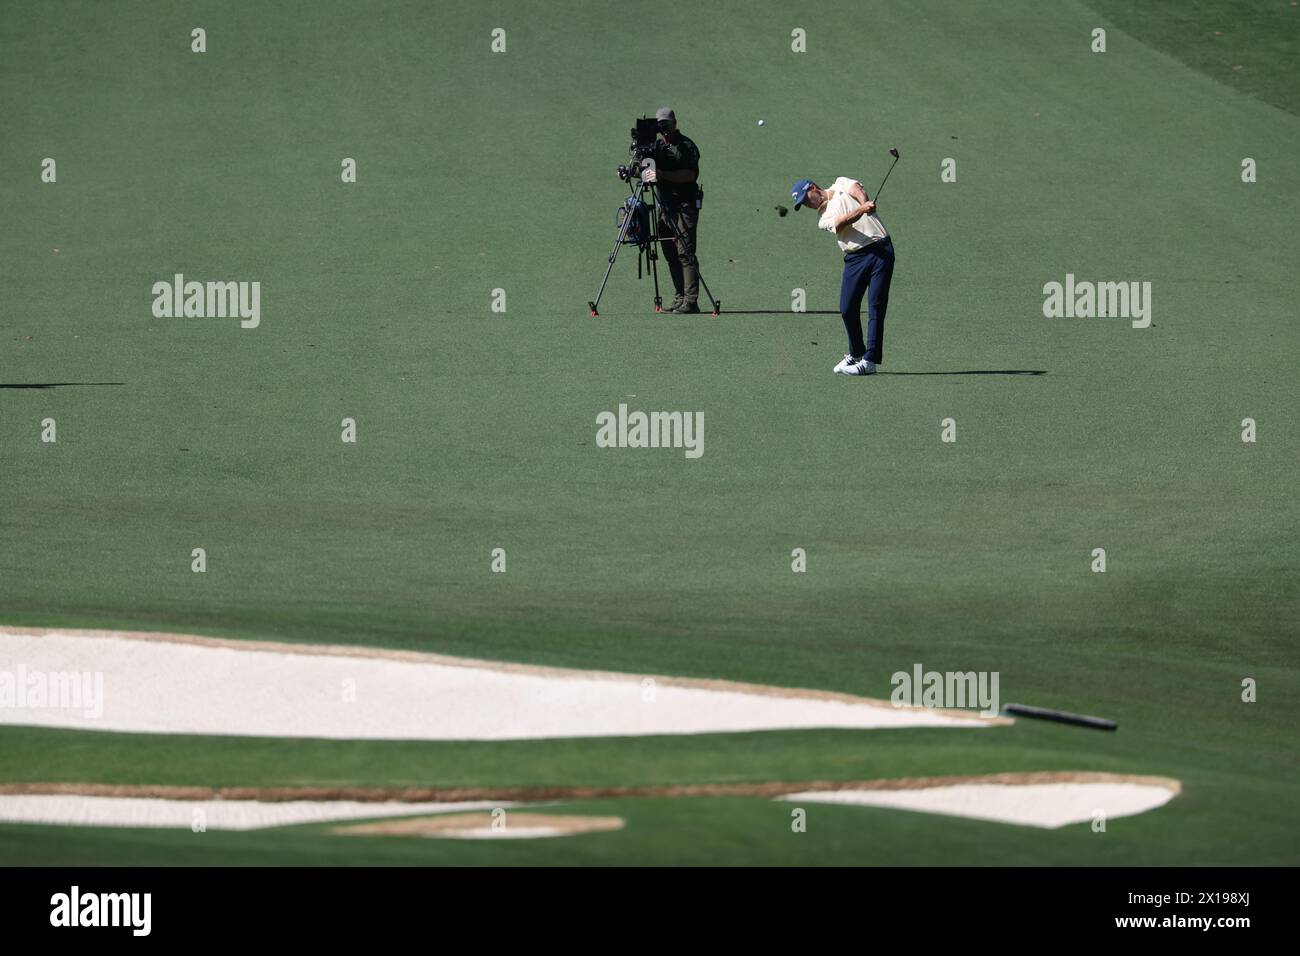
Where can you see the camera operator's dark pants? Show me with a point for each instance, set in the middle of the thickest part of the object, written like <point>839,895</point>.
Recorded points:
<point>867,272</point>
<point>682,220</point>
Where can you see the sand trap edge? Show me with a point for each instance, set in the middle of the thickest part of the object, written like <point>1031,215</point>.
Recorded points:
<point>537,670</point>
<point>1041,805</point>
<point>562,793</point>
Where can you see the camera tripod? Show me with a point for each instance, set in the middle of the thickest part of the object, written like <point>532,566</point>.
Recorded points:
<point>639,214</point>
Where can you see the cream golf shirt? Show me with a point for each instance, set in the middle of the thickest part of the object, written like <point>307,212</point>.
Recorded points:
<point>852,237</point>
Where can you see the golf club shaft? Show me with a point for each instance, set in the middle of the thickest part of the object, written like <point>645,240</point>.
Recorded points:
<point>886,179</point>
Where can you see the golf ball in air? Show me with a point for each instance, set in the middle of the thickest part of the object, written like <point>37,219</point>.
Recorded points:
<point>761,122</point>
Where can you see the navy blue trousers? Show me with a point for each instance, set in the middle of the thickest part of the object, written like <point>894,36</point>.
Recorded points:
<point>867,273</point>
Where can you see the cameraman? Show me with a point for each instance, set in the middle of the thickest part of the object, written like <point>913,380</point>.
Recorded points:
<point>676,172</point>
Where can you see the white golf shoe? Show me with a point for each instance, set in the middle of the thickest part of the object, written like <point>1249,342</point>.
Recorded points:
<point>851,366</point>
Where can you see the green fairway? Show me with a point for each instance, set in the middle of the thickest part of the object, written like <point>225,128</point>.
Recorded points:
<point>479,171</point>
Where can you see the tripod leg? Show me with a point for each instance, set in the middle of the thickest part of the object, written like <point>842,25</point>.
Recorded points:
<point>653,255</point>
<point>717,303</point>
<point>613,254</point>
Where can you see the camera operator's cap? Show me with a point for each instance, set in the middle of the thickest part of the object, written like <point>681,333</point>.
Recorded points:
<point>800,192</point>
<point>664,113</point>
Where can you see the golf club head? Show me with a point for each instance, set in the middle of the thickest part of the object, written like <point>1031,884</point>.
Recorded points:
<point>893,152</point>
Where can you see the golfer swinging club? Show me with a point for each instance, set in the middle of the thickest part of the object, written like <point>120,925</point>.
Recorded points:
<point>850,216</point>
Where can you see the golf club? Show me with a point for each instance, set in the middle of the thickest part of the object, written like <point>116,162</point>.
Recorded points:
<point>892,152</point>
<point>1060,716</point>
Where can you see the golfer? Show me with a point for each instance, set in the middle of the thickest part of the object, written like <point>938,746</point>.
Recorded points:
<point>850,216</point>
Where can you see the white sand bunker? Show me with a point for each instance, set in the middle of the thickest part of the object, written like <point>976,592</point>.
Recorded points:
<point>175,684</point>
<point>91,811</point>
<point>484,826</point>
<point>1032,800</point>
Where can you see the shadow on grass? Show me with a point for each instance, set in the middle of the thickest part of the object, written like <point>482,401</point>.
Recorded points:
<point>60,384</point>
<point>982,371</point>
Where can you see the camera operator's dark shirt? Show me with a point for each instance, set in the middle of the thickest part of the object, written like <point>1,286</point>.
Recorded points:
<point>681,153</point>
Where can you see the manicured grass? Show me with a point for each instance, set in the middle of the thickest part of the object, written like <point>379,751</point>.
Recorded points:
<point>476,429</point>
<point>1247,45</point>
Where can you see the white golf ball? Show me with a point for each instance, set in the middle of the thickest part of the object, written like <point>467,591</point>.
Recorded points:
<point>761,122</point>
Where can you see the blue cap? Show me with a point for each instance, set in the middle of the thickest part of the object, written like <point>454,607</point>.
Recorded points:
<point>800,192</point>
